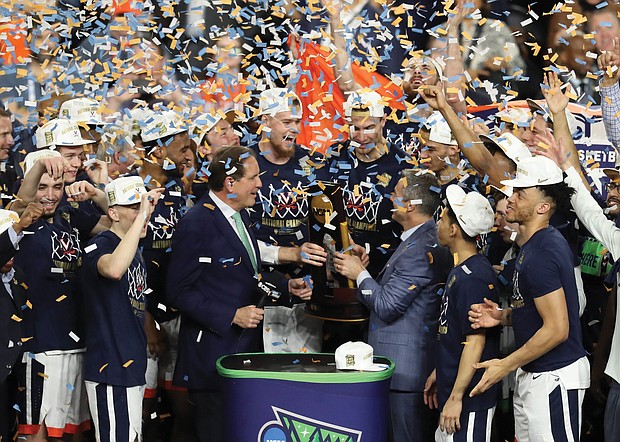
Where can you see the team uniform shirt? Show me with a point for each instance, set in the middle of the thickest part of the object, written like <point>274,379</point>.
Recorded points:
<point>280,215</point>
<point>545,264</point>
<point>115,336</point>
<point>366,191</point>
<point>467,284</point>
<point>53,256</point>
<point>156,245</point>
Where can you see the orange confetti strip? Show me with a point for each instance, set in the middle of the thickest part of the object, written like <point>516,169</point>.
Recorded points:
<point>430,257</point>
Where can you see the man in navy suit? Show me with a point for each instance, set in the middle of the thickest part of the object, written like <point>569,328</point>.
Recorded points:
<point>12,302</point>
<point>213,281</point>
<point>404,301</point>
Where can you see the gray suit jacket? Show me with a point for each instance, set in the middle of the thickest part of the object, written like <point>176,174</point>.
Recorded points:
<point>404,303</point>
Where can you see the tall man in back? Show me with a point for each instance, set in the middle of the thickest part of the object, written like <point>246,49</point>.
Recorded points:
<point>552,369</point>
<point>404,301</point>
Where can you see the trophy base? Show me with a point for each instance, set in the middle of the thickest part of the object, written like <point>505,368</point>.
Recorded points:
<point>341,307</point>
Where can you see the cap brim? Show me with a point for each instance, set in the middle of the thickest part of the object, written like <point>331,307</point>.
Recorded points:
<point>516,184</point>
<point>535,107</point>
<point>489,143</point>
<point>611,173</point>
<point>230,116</point>
<point>506,190</point>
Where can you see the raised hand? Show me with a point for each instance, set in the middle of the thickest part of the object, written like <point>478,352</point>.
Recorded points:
<point>552,149</point>
<point>552,91</point>
<point>97,171</point>
<point>55,167</point>
<point>80,191</point>
<point>149,201</point>
<point>609,63</point>
<point>434,96</point>
<point>32,213</point>
<point>334,7</point>
<point>456,16</point>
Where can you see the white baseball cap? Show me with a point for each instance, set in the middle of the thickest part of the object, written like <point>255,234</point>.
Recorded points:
<point>37,155</point>
<point>59,132</point>
<point>7,219</point>
<point>276,100</point>
<point>132,120</point>
<point>205,122</point>
<point>82,110</point>
<point>510,145</point>
<point>125,191</point>
<point>362,100</point>
<point>161,124</point>
<point>538,108</point>
<point>514,115</point>
<point>357,356</point>
<point>535,171</point>
<point>473,211</point>
<point>439,129</point>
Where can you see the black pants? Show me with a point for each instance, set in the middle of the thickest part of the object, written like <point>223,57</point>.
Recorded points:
<point>208,415</point>
<point>8,415</point>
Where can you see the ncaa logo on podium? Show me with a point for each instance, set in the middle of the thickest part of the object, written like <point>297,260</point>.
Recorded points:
<point>292,427</point>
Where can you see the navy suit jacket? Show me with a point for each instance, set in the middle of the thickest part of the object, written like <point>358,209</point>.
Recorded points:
<point>404,305</point>
<point>210,276</point>
<point>11,312</point>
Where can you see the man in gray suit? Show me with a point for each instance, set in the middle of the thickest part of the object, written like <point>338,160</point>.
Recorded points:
<point>404,301</point>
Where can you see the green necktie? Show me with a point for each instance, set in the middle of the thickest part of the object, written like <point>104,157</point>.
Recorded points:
<point>244,239</point>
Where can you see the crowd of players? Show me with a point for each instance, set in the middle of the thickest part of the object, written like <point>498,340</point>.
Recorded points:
<point>134,248</point>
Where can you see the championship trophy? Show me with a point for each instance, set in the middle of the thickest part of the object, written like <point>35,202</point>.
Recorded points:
<point>333,295</point>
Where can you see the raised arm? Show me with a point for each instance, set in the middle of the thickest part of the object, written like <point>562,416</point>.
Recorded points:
<point>586,207</point>
<point>454,70</point>
<point>609,64</point>
<point>471,147</point>
<point>557,102</point>
<point>114,265</point>
<point>342,61</point>
<point>55,167</point>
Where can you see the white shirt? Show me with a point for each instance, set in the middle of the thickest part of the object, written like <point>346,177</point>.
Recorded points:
<point>269,253</point>
<point>8,276</point>
<point>604,230</point>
